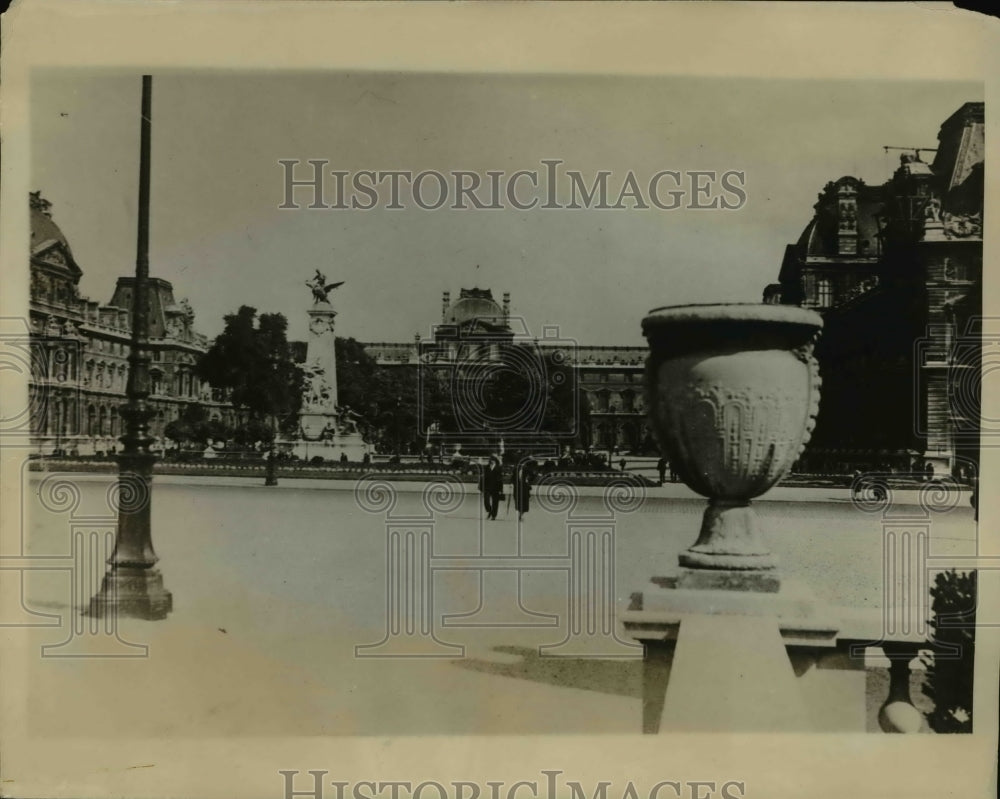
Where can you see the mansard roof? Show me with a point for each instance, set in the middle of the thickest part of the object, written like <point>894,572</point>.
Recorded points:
<point>49,246</point>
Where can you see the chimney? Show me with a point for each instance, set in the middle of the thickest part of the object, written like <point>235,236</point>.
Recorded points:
<point>445,302</point>
<point>506,305</point>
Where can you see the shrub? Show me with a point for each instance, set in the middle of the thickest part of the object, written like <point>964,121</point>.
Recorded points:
<point>949,677</point>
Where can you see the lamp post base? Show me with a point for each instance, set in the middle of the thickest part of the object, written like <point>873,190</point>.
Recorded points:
<point>133,593</point>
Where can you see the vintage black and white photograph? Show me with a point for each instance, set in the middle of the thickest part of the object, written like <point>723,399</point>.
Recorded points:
<point>394,403</point>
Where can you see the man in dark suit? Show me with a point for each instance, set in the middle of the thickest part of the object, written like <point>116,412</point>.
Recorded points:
<point>491,484</point>
<point>524,476</point>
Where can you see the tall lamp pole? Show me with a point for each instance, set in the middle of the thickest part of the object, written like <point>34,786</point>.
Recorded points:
<point>132,586</point>
<point>399,432</point>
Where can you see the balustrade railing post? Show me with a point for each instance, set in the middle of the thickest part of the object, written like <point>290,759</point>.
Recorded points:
<point>897,713</point>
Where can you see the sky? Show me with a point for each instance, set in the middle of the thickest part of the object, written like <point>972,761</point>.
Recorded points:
<point>218,235</point>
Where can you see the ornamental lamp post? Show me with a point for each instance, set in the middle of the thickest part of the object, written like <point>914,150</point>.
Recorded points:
<point>398,427</point>
<point>132,586</point>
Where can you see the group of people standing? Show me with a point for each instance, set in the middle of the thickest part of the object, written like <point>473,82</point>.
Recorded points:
<point>491,484</point>
<point>661,467</point>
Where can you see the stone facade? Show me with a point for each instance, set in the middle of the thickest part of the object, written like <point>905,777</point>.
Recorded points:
<point>896,272</point>
<point>476,326</point>
<point>80,351</point>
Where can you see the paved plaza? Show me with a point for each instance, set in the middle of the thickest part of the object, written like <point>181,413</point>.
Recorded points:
<point>274,588</point>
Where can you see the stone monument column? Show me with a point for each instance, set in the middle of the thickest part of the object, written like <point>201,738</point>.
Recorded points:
<point>318,418</point>
<point>319,405</point>
<point>326,429</point>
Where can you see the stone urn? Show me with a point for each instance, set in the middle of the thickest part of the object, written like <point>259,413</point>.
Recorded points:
<point>732,392</point>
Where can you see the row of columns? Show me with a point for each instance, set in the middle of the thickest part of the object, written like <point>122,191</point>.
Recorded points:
<point>58,415</point>
<point>623,433</point>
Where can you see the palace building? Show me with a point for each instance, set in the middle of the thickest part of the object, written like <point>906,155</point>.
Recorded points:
<point>80,351</point>
<point>896,271</point>
<point>475,329</point>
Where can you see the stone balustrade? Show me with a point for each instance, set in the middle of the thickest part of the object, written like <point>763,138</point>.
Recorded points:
<point>830,655</point>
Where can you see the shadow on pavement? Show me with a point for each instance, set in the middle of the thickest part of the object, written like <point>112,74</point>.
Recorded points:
<point>616,677</point>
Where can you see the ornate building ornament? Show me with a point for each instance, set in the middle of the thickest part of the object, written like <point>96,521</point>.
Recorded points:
<point>962,226</point>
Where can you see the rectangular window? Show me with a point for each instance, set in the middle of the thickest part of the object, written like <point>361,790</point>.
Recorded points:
<point>824,292</point>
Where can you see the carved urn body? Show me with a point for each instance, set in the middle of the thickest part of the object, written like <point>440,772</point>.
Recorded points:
<point>733,392</point>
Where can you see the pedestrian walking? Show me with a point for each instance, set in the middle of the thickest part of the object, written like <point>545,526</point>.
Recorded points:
<point>623,463</point>
<point>661,467</point>
<point>524,475</point>
<point>491,486</point>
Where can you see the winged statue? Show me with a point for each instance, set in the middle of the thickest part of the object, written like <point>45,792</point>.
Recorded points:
<point>320,288</point>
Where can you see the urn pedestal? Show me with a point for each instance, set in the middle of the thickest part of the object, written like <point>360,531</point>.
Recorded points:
<point>733,393</point>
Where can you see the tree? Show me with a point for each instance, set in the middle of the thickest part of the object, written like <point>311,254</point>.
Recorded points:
<point>356,374</point>
<point>216,430</point>
<point>253,360</point>
<point>949,675</point>
<point>178,431</point>
<point>397,400</point>
<point>189,426</point>
<point>385,399</point>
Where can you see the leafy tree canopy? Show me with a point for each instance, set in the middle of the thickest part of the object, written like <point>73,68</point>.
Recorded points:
<point>252,359</point>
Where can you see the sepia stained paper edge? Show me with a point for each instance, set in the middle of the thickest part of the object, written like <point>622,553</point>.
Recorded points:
<point>848,41</point>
